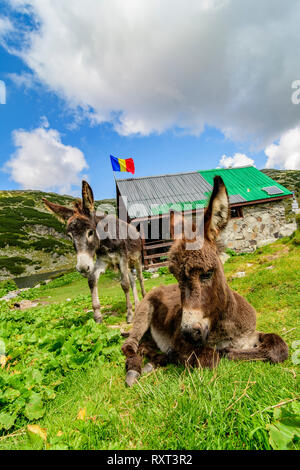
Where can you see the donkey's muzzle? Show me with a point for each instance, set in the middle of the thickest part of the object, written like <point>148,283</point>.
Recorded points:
<point>195,333</point>
<point>83,270</point>
<point>85,264</point>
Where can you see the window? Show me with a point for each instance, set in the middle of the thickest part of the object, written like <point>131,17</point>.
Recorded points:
<point>236,212</point>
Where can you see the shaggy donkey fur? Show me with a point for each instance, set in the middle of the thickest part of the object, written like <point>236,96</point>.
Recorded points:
<point>111,250</point>
<point>200,318</point>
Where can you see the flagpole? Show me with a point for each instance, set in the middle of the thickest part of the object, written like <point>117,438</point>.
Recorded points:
<point>117,198</point>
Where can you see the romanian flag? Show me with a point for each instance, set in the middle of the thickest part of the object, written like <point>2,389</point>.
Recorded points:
<point>120,164</point>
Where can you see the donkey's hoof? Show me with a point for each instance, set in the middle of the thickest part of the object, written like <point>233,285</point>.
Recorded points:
<point>132,377</point>
<point>148,368</point>
<point>130,318</point>
<point>98,319</point>
<point>125,334</point>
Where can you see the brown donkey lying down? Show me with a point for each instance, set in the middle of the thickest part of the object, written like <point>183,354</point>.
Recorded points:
<point>200,318</point>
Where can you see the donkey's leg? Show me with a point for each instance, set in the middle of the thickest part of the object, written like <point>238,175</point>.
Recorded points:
<point>130,348</point>
<point>133,368</point>
<point>142,322</point>
<point>140,276</point>
<point>93,285</point>
<point>93,279</point>
<point>134,362</point>
<point>134,289</point>
<point>271,348</point>
<point>125,284</point>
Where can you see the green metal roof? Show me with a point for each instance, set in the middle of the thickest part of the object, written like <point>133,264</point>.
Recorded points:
<point>154,195</point>
<point>248,182</point>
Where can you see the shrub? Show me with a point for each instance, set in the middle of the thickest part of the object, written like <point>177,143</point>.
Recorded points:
<point>231,252</point>
<point>147,275</point>
<point>14,219</point>
<point>28,202</point>
<point>11,240</point>
<point>50,245</point>
<point>9,201</point>
<point>7,286</point>
<point>163,270</point>
<point>14,264</point>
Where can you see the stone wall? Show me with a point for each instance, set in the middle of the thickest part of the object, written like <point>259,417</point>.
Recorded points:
<point>260,225</point>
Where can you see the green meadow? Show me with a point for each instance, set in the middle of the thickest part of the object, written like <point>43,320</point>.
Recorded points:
<point>62,376</point>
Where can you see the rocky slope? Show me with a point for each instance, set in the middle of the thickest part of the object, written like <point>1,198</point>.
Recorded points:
<point>32,240</point>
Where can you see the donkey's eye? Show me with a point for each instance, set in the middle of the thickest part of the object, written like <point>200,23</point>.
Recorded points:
<point>70,236</point>
<point>206,276</point>
<point>90,233</point>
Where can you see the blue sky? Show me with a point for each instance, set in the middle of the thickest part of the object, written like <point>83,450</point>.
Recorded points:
<point>169,152</point>
<point>171,145</point>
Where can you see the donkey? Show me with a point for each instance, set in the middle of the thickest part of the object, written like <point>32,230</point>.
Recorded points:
<point>199,319</point>
<point>100,235</point>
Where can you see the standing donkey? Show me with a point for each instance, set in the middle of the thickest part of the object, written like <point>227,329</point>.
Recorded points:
<point>110,250</point>
<point>200,318</point>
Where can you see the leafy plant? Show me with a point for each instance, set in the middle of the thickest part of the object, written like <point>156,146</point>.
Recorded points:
<point>147,274</point>
<point>285,432</point>
<point>42,346</point>
<point>163,270</point>
<point>6,287</point>
<point>231,252</point>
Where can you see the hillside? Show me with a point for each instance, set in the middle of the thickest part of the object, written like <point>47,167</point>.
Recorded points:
<point>32,240</point>
<point>288,178</point>
<point>291,180</point>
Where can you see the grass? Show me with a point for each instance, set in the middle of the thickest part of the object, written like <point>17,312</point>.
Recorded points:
<point>173,408</point>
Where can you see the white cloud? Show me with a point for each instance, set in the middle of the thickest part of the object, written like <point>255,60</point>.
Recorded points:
<point>148,66</point>
<point>25,80</point>
<point>285,154</point>
<point>2,92</point>
<point>239,159</point>
<point>45,122</point>
<point>42,161</point>
<point>5,26</point>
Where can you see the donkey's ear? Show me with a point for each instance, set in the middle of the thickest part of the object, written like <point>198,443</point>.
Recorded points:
<point>217,213</point>
<point>87,198</point>
<point>61,212</point>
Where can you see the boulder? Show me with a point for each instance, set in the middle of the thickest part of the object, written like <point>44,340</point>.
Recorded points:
<point>224,257</point>
<point>287,230</point>
<point>25,304</point>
